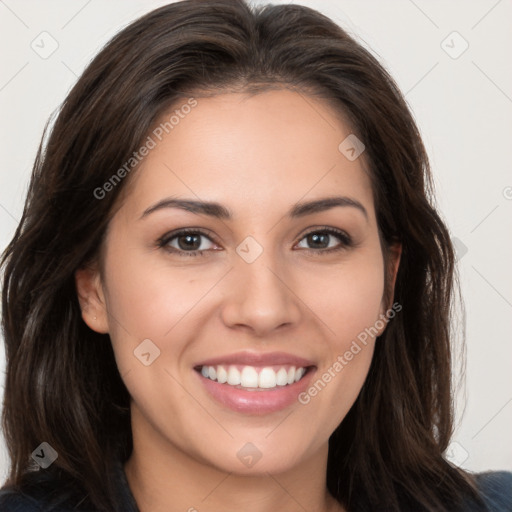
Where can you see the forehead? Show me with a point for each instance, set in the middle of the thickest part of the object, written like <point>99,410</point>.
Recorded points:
<point>266,150</point>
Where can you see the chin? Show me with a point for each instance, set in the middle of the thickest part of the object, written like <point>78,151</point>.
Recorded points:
<point>253,458</point>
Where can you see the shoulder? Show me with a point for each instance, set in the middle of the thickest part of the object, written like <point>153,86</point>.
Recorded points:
<point>495,489</point>
<point>12,500</point>
<point>40,492</point>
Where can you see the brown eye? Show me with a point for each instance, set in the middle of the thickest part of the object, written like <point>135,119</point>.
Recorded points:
<point>190,242</point>
<point>186,242</point>
<point>326,240</point>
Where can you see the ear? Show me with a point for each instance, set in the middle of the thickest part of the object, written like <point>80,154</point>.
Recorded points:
<point>393,263</point>
<point>92,298</point>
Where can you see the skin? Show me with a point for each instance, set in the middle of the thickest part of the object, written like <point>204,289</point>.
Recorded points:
<point>257,156</point>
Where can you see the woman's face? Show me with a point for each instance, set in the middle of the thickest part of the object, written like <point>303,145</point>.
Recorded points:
<point>261,283</point>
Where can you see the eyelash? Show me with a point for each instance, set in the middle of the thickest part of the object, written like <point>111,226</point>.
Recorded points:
<point>346,241</point>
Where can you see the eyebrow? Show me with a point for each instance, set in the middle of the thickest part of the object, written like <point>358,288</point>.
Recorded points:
<point>219,211</point>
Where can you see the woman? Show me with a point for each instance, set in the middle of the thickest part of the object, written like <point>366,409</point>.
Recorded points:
<point>229,288</point>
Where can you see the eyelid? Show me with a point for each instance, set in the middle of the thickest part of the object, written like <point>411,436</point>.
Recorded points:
<point>326,229</point>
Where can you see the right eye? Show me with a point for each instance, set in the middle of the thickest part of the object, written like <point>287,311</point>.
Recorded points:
<point>189,242</point>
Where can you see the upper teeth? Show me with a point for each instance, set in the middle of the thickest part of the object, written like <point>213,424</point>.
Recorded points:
<point>252,377</point>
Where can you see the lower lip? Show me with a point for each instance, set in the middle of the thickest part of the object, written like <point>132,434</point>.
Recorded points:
<point>256,402</point>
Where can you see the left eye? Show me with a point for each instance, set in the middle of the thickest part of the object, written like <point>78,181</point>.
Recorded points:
<point>326,239</point>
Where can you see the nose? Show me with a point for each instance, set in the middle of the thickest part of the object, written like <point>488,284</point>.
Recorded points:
<point>260,297</point>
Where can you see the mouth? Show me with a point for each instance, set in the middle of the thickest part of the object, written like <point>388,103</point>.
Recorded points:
<point>253,378</point>
<point>255,383</point>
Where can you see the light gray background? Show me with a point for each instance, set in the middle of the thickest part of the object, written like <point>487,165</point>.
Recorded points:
<point>463,107</point>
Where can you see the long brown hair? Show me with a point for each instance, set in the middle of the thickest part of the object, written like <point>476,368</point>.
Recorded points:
<point>62,383</point>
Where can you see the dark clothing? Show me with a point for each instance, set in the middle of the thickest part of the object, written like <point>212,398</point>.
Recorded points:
<point>495,489</point>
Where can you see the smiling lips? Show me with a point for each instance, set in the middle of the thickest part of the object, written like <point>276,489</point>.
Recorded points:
<point>277,378</point>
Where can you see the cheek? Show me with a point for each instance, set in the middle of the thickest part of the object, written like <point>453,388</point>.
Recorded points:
<point>147,293</point>
<point>349,306</point>
<point>348,298</point>
<point>144,301</point>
